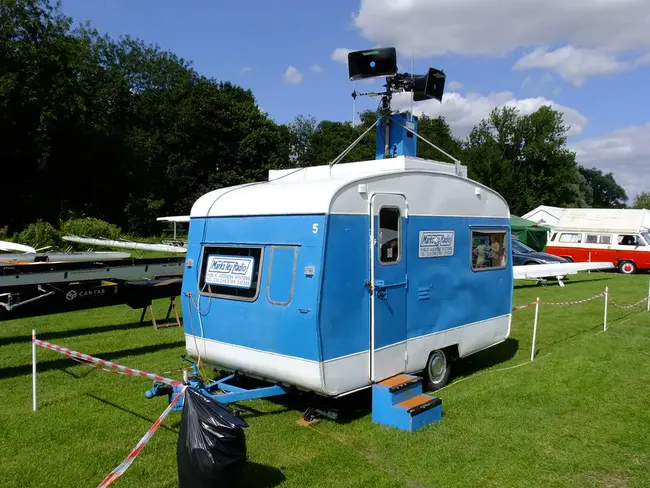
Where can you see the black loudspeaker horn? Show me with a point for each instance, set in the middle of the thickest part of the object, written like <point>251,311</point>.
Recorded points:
<point>372,62</point>
<point>431,85</point>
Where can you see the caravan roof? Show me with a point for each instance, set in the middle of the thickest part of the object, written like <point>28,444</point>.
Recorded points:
<point>311,190</point>
<point>605,220</point>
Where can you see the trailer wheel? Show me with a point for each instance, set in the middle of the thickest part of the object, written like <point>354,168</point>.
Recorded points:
<point>438,369</point>
<point>627,267</point>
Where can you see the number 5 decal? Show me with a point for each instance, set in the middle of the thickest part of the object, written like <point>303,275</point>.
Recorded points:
<point>314,228</point>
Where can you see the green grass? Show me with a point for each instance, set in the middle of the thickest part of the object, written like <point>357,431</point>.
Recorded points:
<point>577,416</point>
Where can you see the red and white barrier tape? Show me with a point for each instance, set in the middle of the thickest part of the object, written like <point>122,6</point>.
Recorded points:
<point>124,465</point>
<point>628,306</point>
<point>108,370</point>
<point>577,302</point>
<point>91,359</point>
<point>521,307</point>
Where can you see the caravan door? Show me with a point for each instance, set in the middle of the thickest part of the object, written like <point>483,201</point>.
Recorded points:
<point>388,223</point>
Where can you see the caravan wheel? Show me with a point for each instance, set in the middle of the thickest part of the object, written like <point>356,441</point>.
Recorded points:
<point>438,369</point>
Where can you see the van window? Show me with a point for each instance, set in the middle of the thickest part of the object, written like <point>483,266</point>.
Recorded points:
<point>230,272</point>
<point>389,235</point>
<point>630,240</point>
<point>489,250</point>
<point>598,239</point>
<point>571,238</point>
<point>553,236</point>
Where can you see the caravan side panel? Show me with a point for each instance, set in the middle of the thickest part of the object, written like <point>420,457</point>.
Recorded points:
<point>271,332</point>
<point>345,304</point>
<point>449,302</point>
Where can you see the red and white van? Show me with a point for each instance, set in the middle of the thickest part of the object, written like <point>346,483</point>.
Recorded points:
<point>619,236</point>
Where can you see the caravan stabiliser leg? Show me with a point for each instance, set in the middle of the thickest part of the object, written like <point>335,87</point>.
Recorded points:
<point>313,413</point>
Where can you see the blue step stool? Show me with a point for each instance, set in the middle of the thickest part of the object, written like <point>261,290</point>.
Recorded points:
<point>399,402</point>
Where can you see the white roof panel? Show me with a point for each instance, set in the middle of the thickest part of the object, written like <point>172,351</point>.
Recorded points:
<point>604,219</point>
<point>304,190</point>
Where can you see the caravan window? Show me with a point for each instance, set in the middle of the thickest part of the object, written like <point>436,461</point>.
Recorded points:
<point>571,238</point>
<point>230,272</point>
<point>489,249</point>
<point>389,235</point>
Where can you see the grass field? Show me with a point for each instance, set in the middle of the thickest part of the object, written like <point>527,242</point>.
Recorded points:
<point>578,416</point>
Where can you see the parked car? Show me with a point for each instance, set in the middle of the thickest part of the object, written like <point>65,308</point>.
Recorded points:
<point>522,255</point>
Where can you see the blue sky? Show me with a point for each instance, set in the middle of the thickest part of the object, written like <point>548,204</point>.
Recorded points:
<point>592,62</point>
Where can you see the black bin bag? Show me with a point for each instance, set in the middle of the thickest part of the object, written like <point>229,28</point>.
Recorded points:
<point>211,449</point>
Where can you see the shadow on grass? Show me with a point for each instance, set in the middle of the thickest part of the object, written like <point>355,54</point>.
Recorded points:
<point>357,405</point>
<point>62,334</point>
<point>65,362</point>
<point>486,359</point>
<point>346,409</point>
<point>131,412</point>
<point>255,475</point>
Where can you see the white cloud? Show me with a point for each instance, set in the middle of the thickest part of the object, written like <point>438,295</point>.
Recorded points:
<point>316,68</point>
<point>624,152</point>
<point>462,113</point>
<point>246,69</point>
<point>576,65</point>
<point>340,55</point>
<point>455,85</point>
<point>292,75</point>
<point>498,26</point>
<point>589,30</point>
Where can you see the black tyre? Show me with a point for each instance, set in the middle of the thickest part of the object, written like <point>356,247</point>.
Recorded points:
<point>437,370</point>
<point>627,267</point>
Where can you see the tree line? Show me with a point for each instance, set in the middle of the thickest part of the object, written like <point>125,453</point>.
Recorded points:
<point>123,131</point>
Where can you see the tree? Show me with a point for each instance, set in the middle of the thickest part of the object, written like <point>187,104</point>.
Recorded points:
<point>642,200</point>
<point>606,193</point>
<point>42,98</point>
<point>117,130</point>
<point>301,131</point>
<point>437,131</point>
<point>329,139</point>
<point>525,159</point>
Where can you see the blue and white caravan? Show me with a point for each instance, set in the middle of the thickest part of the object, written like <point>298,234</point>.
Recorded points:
<point>334,278</point>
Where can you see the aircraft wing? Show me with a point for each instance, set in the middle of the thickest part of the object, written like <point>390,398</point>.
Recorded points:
<point>123,244</point>
<point>552,270</point>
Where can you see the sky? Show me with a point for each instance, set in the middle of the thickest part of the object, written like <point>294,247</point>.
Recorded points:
<point>590,59</point>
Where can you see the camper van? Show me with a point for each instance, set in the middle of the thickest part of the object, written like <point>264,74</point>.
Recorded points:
<point>619,236</point>
<point>331,278</point>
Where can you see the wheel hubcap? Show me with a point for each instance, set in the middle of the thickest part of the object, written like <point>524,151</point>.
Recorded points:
<point>437,366</point>
<point>627,268</point>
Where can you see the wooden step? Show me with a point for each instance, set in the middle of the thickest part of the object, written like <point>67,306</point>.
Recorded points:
<point>399,382</point>
<point>419,403</point>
